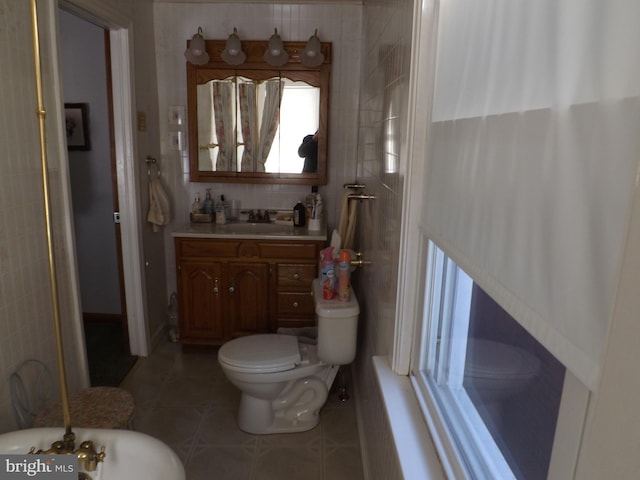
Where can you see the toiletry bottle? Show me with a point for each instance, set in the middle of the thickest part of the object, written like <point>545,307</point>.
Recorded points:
<point>310,201</point>
<point>327,273</point>
<point>227,207</point>
<point>196,206</point>
<point>318,208</point>
<point>344,276</point>
<point>221,217</point>
<point>208,202</point>
<point>299,215</point>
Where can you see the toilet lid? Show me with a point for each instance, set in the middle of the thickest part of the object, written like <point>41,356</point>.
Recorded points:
<point>261,353</point>
<point>493,360</point>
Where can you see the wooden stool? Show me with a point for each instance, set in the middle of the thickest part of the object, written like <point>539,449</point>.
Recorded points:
<point>95,407</point>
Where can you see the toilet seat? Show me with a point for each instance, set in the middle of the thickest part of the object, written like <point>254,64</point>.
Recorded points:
<point>267,353</point>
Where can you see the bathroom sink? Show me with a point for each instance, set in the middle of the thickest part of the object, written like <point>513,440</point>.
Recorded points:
<point>128,455</point>
<point>258,228</point>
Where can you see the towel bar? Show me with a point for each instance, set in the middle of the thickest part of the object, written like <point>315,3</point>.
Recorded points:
<point>361,196</point>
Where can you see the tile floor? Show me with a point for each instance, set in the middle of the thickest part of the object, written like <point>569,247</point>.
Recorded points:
<point>185,400</point>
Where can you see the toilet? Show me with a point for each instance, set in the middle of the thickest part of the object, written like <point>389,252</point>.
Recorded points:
<point>285,381</point>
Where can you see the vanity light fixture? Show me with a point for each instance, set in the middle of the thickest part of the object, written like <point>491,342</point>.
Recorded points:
<point>233,54</point>
<point>197,51</point>
<point>275,54</point>
<point>312,56</point>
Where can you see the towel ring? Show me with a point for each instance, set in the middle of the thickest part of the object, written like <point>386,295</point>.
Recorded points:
<point>151,162</point>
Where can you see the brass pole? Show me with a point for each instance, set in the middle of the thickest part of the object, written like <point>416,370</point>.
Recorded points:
<point>41,113</point>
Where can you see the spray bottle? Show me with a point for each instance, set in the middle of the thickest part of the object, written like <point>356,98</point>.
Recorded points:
<point>344,276</point>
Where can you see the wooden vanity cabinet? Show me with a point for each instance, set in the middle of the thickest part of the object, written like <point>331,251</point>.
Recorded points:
<point>233,287</point>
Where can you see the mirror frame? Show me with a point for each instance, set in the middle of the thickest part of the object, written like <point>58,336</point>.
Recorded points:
<point>217,68</point>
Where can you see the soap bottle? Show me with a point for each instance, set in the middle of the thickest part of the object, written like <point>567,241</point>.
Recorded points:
<point>196,206</point>
<point>208,202</point>
<point>344,276</point>
<point>299,215</point>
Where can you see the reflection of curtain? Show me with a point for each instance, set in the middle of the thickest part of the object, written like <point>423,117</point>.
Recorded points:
<point>223,107</point>
<point>249,119</point>
<point>205,127</point>
<point>270,121</point>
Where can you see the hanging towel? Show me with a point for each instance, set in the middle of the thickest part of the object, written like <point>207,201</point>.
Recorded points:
<point>159,214</point>
<point>347,225</point>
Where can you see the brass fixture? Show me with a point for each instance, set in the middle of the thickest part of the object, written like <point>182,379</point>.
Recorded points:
<point>358,193</point>
<point>359,262</point>
<point>361,196</point>
<point>86,453</point>
<point>88,457</point>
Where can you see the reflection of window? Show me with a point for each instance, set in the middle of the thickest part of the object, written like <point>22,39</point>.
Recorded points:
<point>497,390</point>
<point>248,125</point>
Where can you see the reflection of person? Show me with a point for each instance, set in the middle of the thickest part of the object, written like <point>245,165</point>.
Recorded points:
<point>309,150</point>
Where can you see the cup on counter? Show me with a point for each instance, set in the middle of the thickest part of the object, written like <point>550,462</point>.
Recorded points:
<point>314,224</point>
<point>235,209</point>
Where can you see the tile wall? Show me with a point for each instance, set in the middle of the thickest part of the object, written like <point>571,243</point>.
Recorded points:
<point>383,111</point>
<point>26,328</point>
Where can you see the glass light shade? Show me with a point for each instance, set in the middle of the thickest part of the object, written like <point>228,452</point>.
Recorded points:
<point>197,51</point>
<point>276,55</point>
<point>312,55</point>
<point>233,54</point>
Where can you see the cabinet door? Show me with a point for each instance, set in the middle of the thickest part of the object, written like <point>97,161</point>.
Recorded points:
<point>201,298</point>
<point>248,298</point>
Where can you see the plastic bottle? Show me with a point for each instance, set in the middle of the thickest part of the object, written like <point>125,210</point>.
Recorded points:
<point>327,273</point>
<point>299,215</point>
<point>208,202</point>
<point>227,207</point>
<point>318,209</point>
<point>196,206</point>
<point>221,217</point>
<point>344,276</point>
<point>310,201</point>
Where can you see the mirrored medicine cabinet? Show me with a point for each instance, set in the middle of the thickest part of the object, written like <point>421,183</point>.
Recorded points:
<point>247,123</point>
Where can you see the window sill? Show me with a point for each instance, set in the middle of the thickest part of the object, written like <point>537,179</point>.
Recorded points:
<point>414,446</point>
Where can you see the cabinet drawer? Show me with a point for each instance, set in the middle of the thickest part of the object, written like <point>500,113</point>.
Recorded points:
<point>289,250</point>
<point>298,303</point>
<point>206,248</point>
<point>298,276</point>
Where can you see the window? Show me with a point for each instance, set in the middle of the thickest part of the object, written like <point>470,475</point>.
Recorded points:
<point>496,390</point>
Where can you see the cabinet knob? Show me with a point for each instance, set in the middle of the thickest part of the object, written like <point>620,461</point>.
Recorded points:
<point>231,289</point>
<point>296,304</point>
<point>296,276</point>
<point>215,286</point>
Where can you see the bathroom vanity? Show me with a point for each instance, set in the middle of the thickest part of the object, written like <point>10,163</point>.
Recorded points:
<point>241,279</point>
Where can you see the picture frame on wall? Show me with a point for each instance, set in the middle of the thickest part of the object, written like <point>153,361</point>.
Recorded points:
<point>76,117</point>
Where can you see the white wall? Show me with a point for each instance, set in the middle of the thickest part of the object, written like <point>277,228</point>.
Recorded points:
<point>175,23</point>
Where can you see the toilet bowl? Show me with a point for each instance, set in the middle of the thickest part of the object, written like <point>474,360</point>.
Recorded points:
<point>284,382</point>
<point>497,372</point>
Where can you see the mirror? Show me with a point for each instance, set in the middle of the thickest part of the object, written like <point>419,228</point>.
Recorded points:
<point>256,123</point>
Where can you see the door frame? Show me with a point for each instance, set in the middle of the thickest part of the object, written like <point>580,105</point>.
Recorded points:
<point>125,151</point>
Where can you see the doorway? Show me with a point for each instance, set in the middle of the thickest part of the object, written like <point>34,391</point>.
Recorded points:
<point>86,78</point>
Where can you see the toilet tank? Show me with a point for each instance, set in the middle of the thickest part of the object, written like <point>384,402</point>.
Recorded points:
<point>337,327</point>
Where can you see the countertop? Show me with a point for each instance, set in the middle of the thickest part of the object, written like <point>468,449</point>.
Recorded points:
<point>256,231</point>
